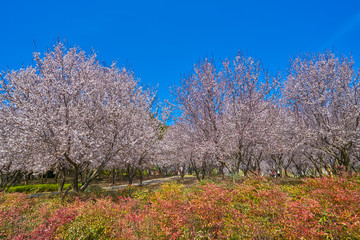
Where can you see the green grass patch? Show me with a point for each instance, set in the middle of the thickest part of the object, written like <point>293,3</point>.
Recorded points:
<point>36,188</point>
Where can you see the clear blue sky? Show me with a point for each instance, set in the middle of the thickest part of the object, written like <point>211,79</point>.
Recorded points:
<point>162,40</point>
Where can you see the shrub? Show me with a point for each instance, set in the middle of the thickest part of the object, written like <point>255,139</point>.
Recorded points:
<point>320,208</point>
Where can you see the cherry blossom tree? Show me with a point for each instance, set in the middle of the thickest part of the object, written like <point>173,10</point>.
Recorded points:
<point>225,112</point>
<point>323,90</point>
<point>199,97</point>
<point>249,94</point>
<point>70,111</point>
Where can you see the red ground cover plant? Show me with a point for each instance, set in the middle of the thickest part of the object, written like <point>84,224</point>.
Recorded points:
<point>320,208</point>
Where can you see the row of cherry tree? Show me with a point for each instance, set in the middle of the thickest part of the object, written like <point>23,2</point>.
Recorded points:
<point>73,115</point>
<point>238,117</point>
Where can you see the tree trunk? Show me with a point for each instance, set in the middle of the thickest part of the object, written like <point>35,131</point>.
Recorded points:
<point>286,172</point>
<point>130,172</point>
<point>27,178</point>
<point>42,178</point>
<point>203,173</point>
<point>141,177</point>
<point>75,179</point>
<point>75,172</point>
<point>3,181</point>
<point>182,171</point>
<point>62,180</point>
<point>56,178</point>
<point>91,176</point>
<point>197,173</point>
<point>203,170</point>
<point>12,181</point>
<point>113,172</point>
<point>221,170</point>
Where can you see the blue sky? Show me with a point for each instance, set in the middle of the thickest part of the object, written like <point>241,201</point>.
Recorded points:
<point>162,40</point>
